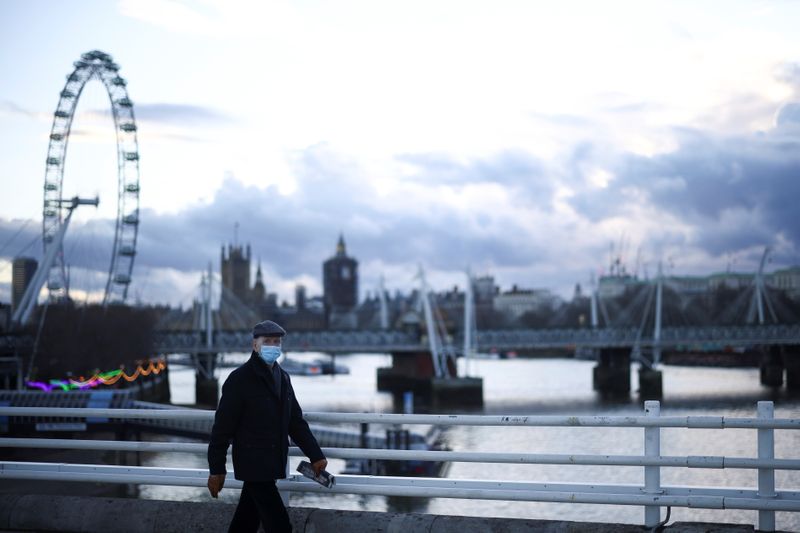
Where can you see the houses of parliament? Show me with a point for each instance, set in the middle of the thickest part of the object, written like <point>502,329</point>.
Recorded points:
<point>336,308</point>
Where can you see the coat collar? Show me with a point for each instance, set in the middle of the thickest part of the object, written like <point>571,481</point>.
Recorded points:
<point>265,372</point>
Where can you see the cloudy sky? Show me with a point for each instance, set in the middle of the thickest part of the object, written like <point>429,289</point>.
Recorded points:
<point>523,139</point>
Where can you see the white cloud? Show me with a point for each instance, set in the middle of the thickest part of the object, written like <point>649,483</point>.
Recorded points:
<point>172,15</point>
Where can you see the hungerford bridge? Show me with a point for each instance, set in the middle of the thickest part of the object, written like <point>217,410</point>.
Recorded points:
<point>411,353</point>
<point>362,341</point>
<point>424,355</point>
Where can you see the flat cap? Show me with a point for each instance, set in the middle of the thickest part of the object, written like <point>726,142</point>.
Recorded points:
<point>268,328</point>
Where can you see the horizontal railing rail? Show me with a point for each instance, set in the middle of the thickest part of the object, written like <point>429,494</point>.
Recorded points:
<point>732,498</point>
<point>651,494</point>
<point>708,422</point>
<point>691,461</point>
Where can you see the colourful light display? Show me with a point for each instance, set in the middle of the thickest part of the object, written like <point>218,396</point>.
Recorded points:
<point>101,378</point>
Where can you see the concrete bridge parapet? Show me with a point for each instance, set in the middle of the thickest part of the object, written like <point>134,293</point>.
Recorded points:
<point>99,515</point>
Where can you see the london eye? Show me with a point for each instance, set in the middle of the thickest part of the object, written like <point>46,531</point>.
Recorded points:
<point>91,65</point>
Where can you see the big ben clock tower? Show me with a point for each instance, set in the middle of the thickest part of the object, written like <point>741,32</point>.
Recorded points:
<point>340,283</point>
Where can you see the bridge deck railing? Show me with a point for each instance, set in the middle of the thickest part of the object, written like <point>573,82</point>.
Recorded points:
<point>357,341</point>
<point>651,494</point>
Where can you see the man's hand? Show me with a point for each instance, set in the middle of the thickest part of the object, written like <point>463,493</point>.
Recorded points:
<point>215,484</point>
<point>319,466</point>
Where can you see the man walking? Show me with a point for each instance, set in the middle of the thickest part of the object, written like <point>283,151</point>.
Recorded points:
<point>258,411</point>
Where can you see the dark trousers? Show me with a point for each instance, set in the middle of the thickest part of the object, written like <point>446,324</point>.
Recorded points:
<point>260,502</point>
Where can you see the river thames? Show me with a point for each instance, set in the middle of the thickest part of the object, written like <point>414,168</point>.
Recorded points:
<point>535,387</point>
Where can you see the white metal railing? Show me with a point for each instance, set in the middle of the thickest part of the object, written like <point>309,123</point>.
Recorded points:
<point>651,494</point>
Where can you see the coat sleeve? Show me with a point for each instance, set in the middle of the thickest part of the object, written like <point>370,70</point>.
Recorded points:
<point>301,433</point>
<point>226,420</point>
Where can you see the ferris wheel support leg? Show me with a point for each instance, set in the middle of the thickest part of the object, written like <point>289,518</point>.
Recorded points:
<point>31,294</point>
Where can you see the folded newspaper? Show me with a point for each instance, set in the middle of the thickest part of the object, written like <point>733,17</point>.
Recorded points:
<point>324,478</point>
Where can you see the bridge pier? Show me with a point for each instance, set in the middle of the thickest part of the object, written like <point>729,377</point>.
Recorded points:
<point>771,368</point>
<point>156,388</point>
<point>791,362</point>
<point>650,383</point>
<point>206,386</point>
<point>414,372</point>
<point>612,375</point>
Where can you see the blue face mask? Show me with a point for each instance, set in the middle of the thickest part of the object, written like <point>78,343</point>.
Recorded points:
<point>270,354</point>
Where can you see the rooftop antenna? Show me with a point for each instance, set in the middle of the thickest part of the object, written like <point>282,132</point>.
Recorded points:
<point>623,251</point>
<point>611,258</point>
<point>236,233</point>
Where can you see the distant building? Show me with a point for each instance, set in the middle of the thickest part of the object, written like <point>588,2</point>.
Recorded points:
<point>5,317</point>
<point>235,269</point>
<point>300,297</point>
<point>691,285</point>
<point>578,293</point>
<point>340,286</point>
<point>238,299</point>
<point>485,289</point>
<point>616,285</point>
<point>241,302</point>
<point>22,271</point>
<point>787,280</point>
<point>259,293</point>
<point>517,302</point>
<point>730,280</point>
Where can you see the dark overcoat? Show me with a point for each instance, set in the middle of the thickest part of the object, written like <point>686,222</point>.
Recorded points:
<point>258,421</point>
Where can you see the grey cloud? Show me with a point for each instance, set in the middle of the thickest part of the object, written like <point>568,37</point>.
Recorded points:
<point>15,109</point>
<point>294,234</point>
<point>738,230</point>
<point>20,237</point>
<point>75,133</point>
<point>86,242</point>
<point>176,114</point>
<point>525,174</point>
<point>180,114</point>
<point>737,191</point>
<point>737,114</point>
<point>788,116</point>
<point>789,73</point>
<point>163,113</point>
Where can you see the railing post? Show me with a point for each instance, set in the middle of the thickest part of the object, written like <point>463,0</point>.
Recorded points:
<point>766,476</point>
<point>652,474</point>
